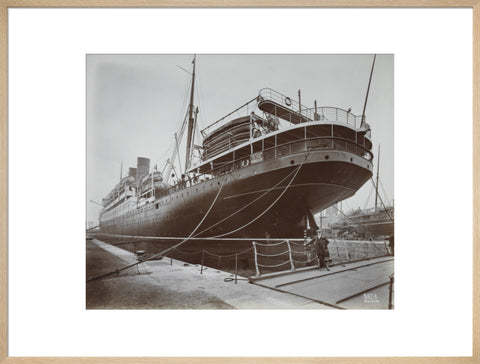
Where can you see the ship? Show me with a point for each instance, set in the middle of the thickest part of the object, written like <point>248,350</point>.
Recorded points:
<point>262,170</point>
<point>377,222</point>
<point>370,223</point>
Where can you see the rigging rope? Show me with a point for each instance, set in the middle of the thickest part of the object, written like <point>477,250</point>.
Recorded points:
<point>383,189</point>
<point>381,200</point>
<point>269,207</point>
<point>244,207</point>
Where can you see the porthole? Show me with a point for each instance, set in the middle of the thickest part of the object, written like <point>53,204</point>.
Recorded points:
<point>327,157</point>
<point>351,160</point>
<point>292,162</point>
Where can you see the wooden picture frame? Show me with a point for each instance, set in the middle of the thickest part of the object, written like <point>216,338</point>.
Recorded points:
<point>6,4</point>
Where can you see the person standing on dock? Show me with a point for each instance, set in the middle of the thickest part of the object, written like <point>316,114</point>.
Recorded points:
<point>320,244</point>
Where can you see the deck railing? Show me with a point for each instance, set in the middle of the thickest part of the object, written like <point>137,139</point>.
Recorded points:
<point>323,113</point>
<point>274,152</point>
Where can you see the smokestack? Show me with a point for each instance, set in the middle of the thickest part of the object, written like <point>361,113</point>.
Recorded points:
<point>132,172</point>
<point>143,167</point>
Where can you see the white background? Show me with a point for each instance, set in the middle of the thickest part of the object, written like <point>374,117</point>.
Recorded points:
<point>433,183</point>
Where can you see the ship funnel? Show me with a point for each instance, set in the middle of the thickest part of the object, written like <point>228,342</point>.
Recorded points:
<point>143,167</point>
<point>132,172</point>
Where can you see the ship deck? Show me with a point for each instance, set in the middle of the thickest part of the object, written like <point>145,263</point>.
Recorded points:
<point>173,284</point>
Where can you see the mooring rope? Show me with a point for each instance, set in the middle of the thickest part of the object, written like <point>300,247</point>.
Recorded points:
<point>271,205</point>
<point>192,234</point>
<point>166,250</point>
<point>247,205</point>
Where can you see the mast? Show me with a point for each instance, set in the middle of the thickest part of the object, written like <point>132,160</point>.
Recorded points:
<point>368,90</point>
<point>191,120</point>
<point>376,186</point>
<point>299,101</point>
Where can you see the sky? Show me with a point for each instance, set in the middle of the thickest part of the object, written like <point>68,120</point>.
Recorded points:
<point>136,103</point>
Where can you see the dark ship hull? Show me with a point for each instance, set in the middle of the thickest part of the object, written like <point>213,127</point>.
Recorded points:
<point>279,209</point>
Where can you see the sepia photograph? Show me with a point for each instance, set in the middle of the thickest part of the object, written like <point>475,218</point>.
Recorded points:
<point>240,181</point>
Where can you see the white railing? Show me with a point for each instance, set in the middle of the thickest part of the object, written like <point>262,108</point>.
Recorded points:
<point>323,113</point>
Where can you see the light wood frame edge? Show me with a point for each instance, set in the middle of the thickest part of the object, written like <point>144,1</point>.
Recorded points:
<point>5,4</point>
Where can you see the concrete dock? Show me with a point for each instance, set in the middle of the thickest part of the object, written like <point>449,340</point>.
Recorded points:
<point>173,284</point>
<point>362,284</point>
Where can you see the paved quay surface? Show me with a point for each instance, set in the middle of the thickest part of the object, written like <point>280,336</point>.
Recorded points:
<point>361,285</point>
<point>172,284</point>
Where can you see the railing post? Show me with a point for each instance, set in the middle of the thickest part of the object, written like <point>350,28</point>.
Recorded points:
<point>276,146</point>
<point>292,266</point>
<point>251,135</point>
<point>236,266</point>
<point>390,293</point>
<point>256,261</point>
<point>203,255</point>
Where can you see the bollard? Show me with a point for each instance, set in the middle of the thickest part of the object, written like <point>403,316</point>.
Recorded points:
<point>236,265</point>
<point>203,255</point>
<point>171,261</point>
